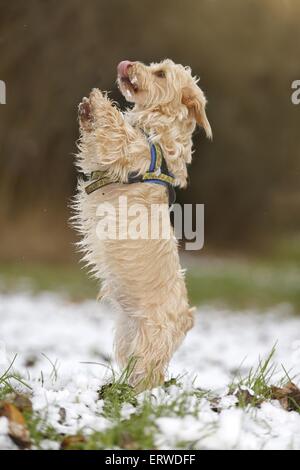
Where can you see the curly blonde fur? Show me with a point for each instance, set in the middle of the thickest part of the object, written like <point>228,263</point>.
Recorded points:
<point>143,277</point>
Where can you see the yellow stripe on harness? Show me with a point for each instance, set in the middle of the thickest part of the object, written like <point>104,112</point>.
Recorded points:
<point>99,180</point>
<point>161,177</point>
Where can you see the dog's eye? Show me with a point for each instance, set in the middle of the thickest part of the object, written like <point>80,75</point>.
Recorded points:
<point>160,74</point>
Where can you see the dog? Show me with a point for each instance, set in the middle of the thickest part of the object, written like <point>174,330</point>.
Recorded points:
<point>143,277</point>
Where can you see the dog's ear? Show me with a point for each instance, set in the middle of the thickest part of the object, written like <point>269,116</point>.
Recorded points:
<point>195,101</point>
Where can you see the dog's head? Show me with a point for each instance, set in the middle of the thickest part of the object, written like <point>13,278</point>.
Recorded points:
<point>164,85</point>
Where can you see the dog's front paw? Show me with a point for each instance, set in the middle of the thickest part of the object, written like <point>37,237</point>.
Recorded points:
<point>96,97</point>
<point>85,114</point>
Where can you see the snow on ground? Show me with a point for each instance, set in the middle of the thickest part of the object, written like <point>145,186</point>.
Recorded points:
<point>48,328</point>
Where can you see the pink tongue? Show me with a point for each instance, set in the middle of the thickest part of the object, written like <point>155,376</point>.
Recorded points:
<point>123,68</point>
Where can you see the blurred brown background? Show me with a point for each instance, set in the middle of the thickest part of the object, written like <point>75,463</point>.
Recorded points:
<point>247,55</point>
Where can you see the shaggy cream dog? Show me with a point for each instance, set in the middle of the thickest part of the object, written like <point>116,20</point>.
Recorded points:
<point>142,276</point>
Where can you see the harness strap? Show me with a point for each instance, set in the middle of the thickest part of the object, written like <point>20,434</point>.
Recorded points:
<point>158,173</point>
<point>158,170</point>
<point>99,179</point>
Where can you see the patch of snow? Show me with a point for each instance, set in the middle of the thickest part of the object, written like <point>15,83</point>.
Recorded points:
<point>228,401</point>
<point>127,410</point>
<point>223,343</point>
<point>64,353</point>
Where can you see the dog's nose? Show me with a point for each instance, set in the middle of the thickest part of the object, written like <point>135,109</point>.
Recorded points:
<point>123,68</point>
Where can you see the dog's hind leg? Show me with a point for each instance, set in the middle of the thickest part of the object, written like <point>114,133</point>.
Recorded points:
<point>150,344</point>
<point>125,332</point>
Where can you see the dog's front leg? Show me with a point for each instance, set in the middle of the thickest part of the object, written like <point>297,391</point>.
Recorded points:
<point>107,139</point>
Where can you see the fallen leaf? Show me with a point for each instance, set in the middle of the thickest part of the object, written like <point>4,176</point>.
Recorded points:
<point>288,396</point>
<point>12,413</point>
<point>127,442</point>
<point>18,431</point>
<point>62,415</point>
<point>30,361</point>
<point>245,397</point>
<point>71,442</point>
<point>22,402</point>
